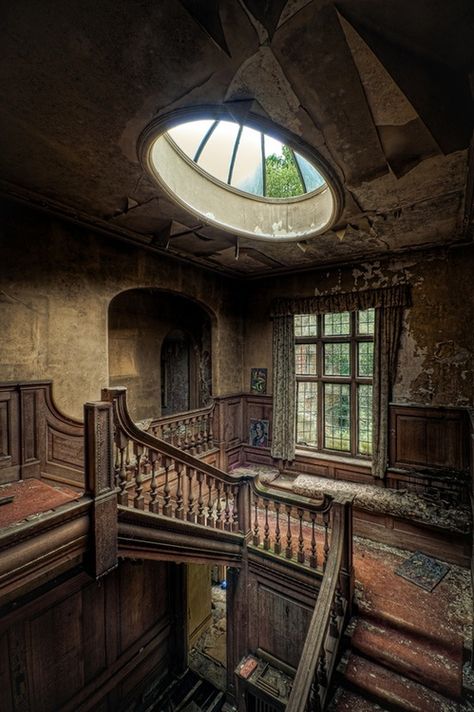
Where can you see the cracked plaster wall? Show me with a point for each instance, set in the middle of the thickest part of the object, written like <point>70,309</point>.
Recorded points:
<point>56,283</point>
<point>436,362</point>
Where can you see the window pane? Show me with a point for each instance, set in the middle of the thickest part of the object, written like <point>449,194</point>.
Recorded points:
<point>364,410</point>
<point>366,358</point>
<point>337,423</point>
<point>216,155</point>
<point>306,413</point>
<point>337,360</point>
<point>311,177</point>
<point>248,169</point>
<point>188,136</point>
<point>305,359</point>
<point>337,324</point>
<point>282,179</point>
<point>366,321</point>
<point>306,325</point>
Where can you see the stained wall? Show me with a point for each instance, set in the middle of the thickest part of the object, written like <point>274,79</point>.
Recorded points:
<point>139,322</point>
<point>436,357</point>
<point>56,283</point>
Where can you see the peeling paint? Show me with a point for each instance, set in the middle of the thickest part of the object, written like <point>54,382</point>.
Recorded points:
<point>262,78</point>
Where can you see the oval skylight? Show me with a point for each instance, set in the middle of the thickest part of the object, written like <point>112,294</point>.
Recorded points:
<point>241,179</point>
<point>246,159</point>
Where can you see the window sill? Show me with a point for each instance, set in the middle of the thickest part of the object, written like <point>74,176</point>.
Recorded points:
<point>340,459</point>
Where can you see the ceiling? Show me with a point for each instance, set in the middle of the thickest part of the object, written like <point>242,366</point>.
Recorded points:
<point>381,90</point>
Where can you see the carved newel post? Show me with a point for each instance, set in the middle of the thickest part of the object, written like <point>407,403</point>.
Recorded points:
<point>100,484</point>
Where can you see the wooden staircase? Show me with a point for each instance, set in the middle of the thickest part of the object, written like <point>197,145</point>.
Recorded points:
<point>404,649</point>
<point>189,693</point>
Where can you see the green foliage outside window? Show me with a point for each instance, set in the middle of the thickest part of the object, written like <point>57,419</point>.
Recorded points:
<point>282,176</point>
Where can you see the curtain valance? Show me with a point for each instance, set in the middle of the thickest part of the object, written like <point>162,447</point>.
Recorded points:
<point>397,296</point>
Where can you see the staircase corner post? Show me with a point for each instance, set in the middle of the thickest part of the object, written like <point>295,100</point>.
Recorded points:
<point>245,514</point>
<point>347,568</point>
<point>100,485</point>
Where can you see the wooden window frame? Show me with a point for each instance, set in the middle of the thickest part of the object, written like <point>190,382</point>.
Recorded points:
<point>354,380</point>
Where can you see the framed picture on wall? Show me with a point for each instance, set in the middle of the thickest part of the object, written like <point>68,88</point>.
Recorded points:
<point>258,432</point>
<point>258,380</point>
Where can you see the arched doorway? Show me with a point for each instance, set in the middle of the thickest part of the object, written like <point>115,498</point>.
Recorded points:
<point>160,349</point>
<point>179,373</point>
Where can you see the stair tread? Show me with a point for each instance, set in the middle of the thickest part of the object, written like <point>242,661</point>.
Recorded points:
<point>349,701</point>
<point>393,689</point>
<point>419,659</point>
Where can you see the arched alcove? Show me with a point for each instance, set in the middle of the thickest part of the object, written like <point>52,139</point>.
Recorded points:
<point>160,349</point>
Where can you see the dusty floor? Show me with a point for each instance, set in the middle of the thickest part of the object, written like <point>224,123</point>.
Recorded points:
<point>208,657</point>
<point>31,498</point>
<point>440,511</point>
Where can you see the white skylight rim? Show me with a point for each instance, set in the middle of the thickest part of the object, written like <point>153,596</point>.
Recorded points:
<point>205,187</point>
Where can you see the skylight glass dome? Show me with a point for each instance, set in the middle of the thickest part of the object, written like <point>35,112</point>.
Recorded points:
<point>246,159</point>
<point>244,178</point>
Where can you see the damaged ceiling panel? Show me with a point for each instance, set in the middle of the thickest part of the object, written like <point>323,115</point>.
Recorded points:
<point>380,90</point>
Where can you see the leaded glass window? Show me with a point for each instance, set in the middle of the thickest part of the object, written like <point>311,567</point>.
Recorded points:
<point>334,363</point>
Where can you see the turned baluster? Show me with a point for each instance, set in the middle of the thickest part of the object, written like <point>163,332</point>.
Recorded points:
<point>277,547</point>
<point>184,434</point>
<point>116,466</point>
<point>256,536</point>
<point>301,554</point>
<point>156,431</point>
<point>339,603</point>
<point>138,500</point>
<point>192,438</point>
<point>179,440</point>
<point>167,511</point>
<point>154,505</point>
<point>227,523</point>
<point>235,508</point>
<point>190,516</point>
<point>146,465</point>
<point>204,431</point>
<point>201,517</point>
<point>313,558</point>
<point>326,539</point>
<point>210,506</point>
<point>289,546</point>
<point>123,495</point>
<point>210,432</point>
<point>322,670</point>
<point>333,627</point>
<point>314,702</point>
<point>179,511</point>
<point>266,528</point>
<point>198,435</point>
<point>219,523</point>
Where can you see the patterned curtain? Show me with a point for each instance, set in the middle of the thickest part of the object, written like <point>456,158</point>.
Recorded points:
<point>388,326</point>
<point>389,304</point>
<point>284,408</point>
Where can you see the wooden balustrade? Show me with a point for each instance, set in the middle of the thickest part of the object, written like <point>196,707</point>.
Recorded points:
<point>191,431</point>
<point>163,477</point>
<point>319,656</point>
<point>283,525</point>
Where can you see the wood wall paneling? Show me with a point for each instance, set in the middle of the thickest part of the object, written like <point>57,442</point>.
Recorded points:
<point>428,438</point>
<point>9,437</point>
<point>282,625</point>
<point>5,675</point>
<point>87,646</point>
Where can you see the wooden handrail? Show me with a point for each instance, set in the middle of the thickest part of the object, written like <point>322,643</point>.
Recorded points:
<point>118,396</point>
<point>184,415</point>
<point>310,503</point>
<point>305,693</point>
